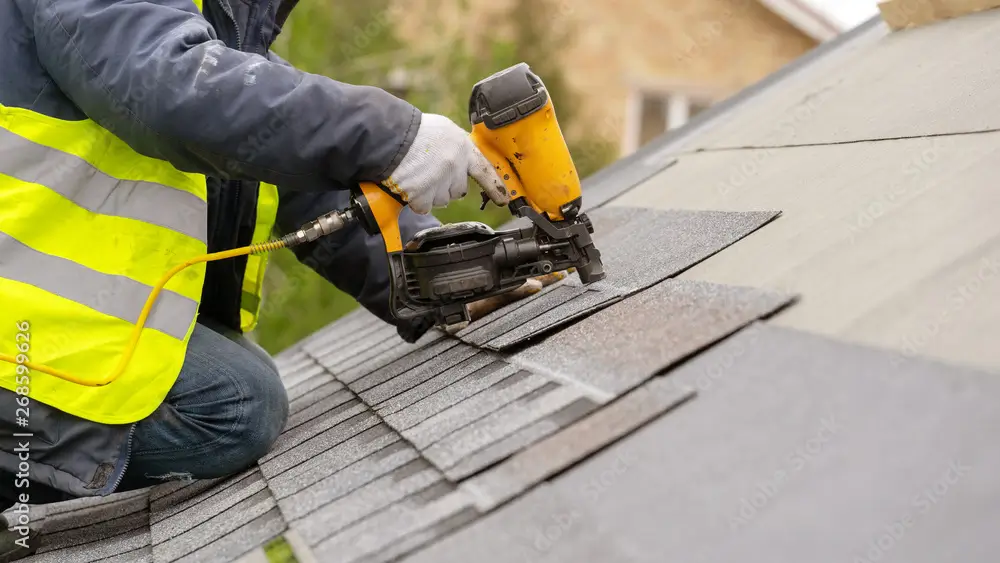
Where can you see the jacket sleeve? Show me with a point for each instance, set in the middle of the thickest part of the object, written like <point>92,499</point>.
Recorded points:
<point>154,73</point>
<point>351,259</point>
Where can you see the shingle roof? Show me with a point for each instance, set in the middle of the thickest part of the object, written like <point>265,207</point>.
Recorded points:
<point>689,407</point>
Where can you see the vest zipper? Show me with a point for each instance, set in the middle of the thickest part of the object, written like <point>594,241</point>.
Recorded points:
<point>229,12</point>
<point>128,458</point>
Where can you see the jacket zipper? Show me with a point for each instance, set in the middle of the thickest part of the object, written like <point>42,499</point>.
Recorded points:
<point>260,28</point>
<point>229,12</point>
<point>128,458</point>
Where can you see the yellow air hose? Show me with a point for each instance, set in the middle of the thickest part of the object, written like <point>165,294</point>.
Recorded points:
<point>310,232</point>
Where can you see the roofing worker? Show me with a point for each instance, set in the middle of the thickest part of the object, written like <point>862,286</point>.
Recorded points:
<point>112,115</point>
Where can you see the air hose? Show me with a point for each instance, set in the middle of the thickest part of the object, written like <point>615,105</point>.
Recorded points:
<point>323,225</point>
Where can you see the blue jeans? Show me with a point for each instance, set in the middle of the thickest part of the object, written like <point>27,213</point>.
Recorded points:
<point>224,413</point>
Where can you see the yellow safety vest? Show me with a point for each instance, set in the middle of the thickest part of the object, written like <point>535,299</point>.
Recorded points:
<point>87,227</point>
<point>253,276</point>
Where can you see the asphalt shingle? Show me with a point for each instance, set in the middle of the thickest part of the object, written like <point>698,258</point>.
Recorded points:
<point>564,449</point>
<point>452,395</point>
<point>332,460</point>
<point>129,542</point>
<point>439,382</point>
<point>536,405</point>
<point>640,248</point>
<point>520,313</point>
<point>520,439</point>
<point>621,346</point>
<point>402,524</point>
<point>416,375</point>
<point>786,425</point>
<point>476,407</point>
<point>304,412</point>
<point>577,306</point>
<point>413,359</point>
<point>101,539</point>
<point>343,480</point>
<point>246,538</point>
<point>334,433</point>
<point>203,532</point>
<point>175,520</point>
<point>314,396</point>
<point>355,507</point>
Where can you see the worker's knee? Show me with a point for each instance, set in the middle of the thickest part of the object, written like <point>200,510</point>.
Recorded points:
<point>265,407</point>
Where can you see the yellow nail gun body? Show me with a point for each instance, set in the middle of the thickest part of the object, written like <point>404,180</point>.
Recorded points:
<point>442,269</point>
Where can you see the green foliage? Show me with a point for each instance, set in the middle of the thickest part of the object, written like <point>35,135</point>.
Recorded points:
<point>355,43</point>
<point>278,551</point>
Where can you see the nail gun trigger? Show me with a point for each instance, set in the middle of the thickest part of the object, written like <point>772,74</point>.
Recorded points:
<point>486,199</point>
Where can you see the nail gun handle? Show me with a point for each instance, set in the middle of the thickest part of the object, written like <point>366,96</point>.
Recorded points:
<point>481,137</point>
<point>381,212</point>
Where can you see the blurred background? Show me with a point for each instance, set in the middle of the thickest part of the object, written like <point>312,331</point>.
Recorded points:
<point>621,73</point>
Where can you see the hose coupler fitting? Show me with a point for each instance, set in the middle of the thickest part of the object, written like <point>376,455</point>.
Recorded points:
<point>320,227</point>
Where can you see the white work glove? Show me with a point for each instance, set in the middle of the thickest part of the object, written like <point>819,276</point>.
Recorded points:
<point>436,168</point>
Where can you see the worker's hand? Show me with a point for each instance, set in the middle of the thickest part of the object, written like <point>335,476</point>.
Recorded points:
<point>483,307</point>
<point>437,167</point>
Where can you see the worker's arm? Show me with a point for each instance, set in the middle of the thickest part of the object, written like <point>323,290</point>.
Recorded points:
<point>350,259</point>
<point>154,74</point>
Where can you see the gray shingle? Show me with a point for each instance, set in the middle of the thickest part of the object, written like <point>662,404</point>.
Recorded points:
<point>99,535</point>
<point>510,418</point>
<point>623,345</point>
<point>580,305</point>
<point>415,376</point>
<point>307,385</point>
<point>215,527</point>
<point>797,446</point>
<point>361,503</point>
<point>640,248</point>
<point>141,555</point>
<point>76,514</point>
<point>160,510</point>
<point>333,460</point>
<point>476,407</point>
<point>176,492</point>
<point>292,377</point>
<point>654,245</point>
<point>578,441</point>
<point>201,509</point>
<point>342,482</point>
<point>572,280</point>
<point>98,546</point>
<point>246,538</point>
<point>344,331</point>
<point>322,405</point>
<point>440,381</point>
<point>410,360</point>
<point>312,428</point>
<point>419,537</point>
<point>394,524</point>
<point>521,313</point>
<point>349,346</point>
<point>499,450</point>
<point>308,449</point>
<point>366,355</point>
<point>450,396</point>
<point>317,394</point>
<point>379,355</point>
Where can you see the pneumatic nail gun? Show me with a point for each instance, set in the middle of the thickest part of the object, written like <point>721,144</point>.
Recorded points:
<point>442,269</point>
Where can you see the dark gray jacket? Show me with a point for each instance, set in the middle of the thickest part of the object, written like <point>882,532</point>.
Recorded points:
<point>206,94</point>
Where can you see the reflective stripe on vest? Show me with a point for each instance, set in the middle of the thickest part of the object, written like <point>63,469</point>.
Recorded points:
<point>87,227</point>
<point>253,277</point>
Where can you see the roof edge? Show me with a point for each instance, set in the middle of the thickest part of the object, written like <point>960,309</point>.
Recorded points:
<point>805,18</point>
